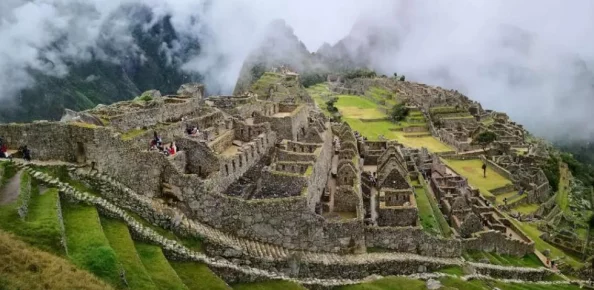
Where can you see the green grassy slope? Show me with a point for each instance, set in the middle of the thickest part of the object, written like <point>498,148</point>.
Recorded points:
<point>158,267</point>
<point>87,245</point>
<point>198,276</point>
<point>120,240</point>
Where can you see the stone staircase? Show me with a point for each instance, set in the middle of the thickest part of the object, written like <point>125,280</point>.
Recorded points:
<point>252,248</point>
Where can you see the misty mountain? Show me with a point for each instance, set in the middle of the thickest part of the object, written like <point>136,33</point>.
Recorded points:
<point>110,73</point>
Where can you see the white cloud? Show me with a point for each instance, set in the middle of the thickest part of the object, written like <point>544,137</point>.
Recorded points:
<point>515,56</point>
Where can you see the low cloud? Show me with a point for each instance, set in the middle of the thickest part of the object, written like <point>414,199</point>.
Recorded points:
<point>532,59</point>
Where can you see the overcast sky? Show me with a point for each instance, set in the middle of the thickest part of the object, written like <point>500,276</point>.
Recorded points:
<point>530,58</point>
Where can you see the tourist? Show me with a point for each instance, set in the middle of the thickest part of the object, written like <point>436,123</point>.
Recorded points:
<point>171,149</point>
<point>484,170</point>
<point>3,150</point>
<point>26,153</point>
<point>505,200</point>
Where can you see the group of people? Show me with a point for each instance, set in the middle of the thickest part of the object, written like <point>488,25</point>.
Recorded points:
<point>157,144</point>
<point>193,131</point>
<point>23,150</point>
<point>3,149</point>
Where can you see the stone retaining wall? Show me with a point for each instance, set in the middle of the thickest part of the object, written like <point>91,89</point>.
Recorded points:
<point>412,240</point>
<point>24,195</point>
<point>494,241</point>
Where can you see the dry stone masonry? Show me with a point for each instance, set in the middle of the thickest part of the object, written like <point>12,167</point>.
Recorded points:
<point>277,191</point>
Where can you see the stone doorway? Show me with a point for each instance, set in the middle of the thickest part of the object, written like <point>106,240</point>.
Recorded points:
<point>81,155</point>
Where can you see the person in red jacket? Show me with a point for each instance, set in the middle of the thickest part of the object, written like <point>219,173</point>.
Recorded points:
<point>3,150</point>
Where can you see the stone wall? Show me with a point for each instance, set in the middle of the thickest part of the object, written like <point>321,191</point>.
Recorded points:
<point>400,216</point>
<point>345,199</point>
<point>411,240</point>
<point>318,179</point>
<point>47,140</point>
<point>500,170</point>
<point>24,195</point>
<point>167,112</point>
<point>223,142</point>
<point>494,241</point>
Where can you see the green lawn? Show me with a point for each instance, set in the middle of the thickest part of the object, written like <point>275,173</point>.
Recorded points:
<point>428,220</point>
<point>530,260</point>
<point>472,170</point>
<point>198,276</point>
<point>269,285</point>
<point>511,196</point>
<point>392,283</point>
<point>562,196</point>
<point>87,245</point>
<point>41,227</point>
<point>442,222</point>
<point>120,240</point>
<point>534,234</point>
<point>526,208</point>
<point>158,267</point>
<point>452,270</point>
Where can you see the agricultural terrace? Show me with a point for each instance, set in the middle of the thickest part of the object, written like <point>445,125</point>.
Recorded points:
<point>368,116</point>
<point>472,169</point>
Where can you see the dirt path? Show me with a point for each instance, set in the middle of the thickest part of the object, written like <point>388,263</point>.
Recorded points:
<point>10,192</point>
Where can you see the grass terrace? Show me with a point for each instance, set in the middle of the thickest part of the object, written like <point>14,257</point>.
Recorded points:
<point>534,233</point>
<point>426,214</point>
<point>87,245</point>
<point>472,169</point>
<point>530,260</point>
<point>158,267</point>
<point>269,285</point>
<point>120,240</point>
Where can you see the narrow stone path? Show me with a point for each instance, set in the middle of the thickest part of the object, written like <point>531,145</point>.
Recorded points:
<point>10,192</point>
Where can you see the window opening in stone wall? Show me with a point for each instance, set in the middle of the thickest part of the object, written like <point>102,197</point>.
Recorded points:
<point>233,163</point>
<point>227,168</point>
<point>240,161</point>
<point>200,171</point>
<point>241,132</point>
<point>310,149</point>
<point>303,131</point>
<point>250,132</point>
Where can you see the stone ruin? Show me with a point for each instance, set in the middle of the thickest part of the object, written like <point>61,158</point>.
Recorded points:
<point>271,173</point>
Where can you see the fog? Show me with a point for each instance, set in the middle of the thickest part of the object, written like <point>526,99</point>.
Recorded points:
<point>532,59</point>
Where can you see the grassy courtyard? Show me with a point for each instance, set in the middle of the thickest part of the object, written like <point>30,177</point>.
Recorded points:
<point>472,169</point>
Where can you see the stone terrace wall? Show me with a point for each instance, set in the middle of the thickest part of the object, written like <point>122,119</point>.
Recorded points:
<point>318,179</point>
<point>397,216</point>
<point>47,140</point>
<point>411,240</point>
<point>153,116</point>
<point>494,241</point>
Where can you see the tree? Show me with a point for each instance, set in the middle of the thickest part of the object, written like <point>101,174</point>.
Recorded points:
<point>395,75</point>
<point>402,78</point>
<point>485,139</point>
<point>399,112</point>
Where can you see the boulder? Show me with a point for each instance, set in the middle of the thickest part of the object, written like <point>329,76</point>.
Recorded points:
<point>433,284</point>
<point>82,117</point>
<point>191,90</point>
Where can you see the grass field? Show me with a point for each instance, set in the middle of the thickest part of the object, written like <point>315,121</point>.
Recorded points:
<point>472,170</point>
<point>87,245</point>
<point>269,285</point>
<point>26,267</point>
<point>534,234</point>
<point>428,220</point>
<point>562,196</point>
<point>198,276</point>
<point>120,240</point>
<point>158,267</point>
<point>526,208</point>
<point>530,260</point>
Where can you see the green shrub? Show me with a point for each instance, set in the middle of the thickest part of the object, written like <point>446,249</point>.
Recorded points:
<point>398,112</point>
